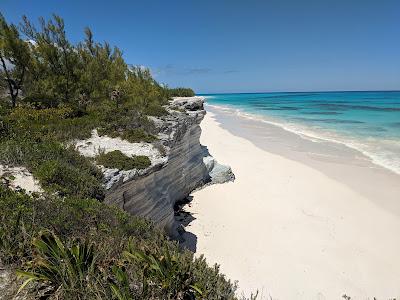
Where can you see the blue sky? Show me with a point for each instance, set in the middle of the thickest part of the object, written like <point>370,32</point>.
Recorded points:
<point>243,46</point>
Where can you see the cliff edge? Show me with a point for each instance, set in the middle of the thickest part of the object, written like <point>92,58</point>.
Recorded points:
<point>179,165</point>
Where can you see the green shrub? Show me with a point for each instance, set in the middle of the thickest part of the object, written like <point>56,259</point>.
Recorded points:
<point>67,180</point>
<point>24,114</point>
<point>166,272</point>
<point>116,159</point>
<point>78,252</point>
<point>58,124</point>
<point>163,269</point>
<point>79,269</point>
<point>59,169</point>
<point>15,209</point>
<point>22,217</point>
<point>137,135</point>
<point>155,110</point>
<point>181,92</point>
<point>68,267</point>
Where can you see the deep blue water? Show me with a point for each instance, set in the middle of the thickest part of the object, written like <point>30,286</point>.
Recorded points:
<point>366,121</point>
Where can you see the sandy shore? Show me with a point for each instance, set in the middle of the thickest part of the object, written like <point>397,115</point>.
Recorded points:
<point>303,220</point>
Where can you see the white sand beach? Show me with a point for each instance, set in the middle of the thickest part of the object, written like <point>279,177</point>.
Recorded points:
<point>295,225</point>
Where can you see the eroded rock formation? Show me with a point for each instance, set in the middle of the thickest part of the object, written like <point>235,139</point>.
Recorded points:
<point>180,164</point>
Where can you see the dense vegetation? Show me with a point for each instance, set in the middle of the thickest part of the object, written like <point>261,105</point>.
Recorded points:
<point>58,92</point>
<point>65,242</point>
<point>83,249</point>
<point>55,92</point>
<point>181,92</point>
<point>116,159</point>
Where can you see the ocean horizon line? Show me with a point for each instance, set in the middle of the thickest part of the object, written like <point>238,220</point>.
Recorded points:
<point>296,92</point>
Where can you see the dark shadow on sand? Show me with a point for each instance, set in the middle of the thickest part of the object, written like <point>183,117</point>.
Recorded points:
<point>187,240</point>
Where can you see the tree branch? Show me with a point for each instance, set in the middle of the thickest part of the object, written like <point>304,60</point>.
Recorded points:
<point>9,80</point>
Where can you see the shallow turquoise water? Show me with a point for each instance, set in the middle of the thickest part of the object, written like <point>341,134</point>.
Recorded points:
<point>366,121</point>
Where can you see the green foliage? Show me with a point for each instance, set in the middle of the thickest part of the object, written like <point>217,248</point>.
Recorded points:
<point>14,58</point>
<point>15,208</point>
<point>137,135</point>
<point>116,159</point>
<point>95,251</point>
<point>53,74</point>
<point>57,124</point>
<point>181,92</point>
<point>68,180</point>
<point>50,70</point>
<point>58,168</point>
<point>166,269</point>
<point>23,217</point>
<point>41,116</point>
<point>67,91</point>
<point>168,273</point>
<point>69,267</point>
<point>103,68</point>
<point>141,87</point>
<point>79,271</point>
<point>155,110</point>
<point>126,124</point>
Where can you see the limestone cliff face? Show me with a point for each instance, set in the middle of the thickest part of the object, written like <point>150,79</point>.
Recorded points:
<point>152,193</point>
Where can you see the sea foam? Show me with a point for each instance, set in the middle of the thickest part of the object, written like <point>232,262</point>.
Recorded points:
<point>382,152</point>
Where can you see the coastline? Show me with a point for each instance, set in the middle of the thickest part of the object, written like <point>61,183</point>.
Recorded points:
<point>336,160</point>
<point>315,217</point>
<point>362,121</point>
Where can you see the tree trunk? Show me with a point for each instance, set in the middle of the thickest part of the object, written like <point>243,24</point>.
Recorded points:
<point>9,82</point>
<point>13,86</point>
<point>14,101</point>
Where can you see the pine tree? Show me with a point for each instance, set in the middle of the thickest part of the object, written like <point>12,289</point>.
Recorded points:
<point>56,63</point>
<point>14,58</point>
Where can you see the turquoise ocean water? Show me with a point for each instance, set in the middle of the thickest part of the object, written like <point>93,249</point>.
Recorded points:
<point>365,121</point>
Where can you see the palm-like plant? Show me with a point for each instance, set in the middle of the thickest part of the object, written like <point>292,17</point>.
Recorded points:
<point>163,270</point>
<point>61,266</point>
<point>121,289</point>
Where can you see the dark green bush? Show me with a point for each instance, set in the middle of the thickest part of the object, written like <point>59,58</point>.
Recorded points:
<point>155,110</point>
<point>69,268</point>
<point>15,209</point>
<point>23,216</point>
<point>131,135</point>
<point>116,159</point>
<point>181,92</point>
<point>68,180</point>
<point>58,169</point>
<point>137,135</point>
<point>169,273</point>
<point>58,124</point>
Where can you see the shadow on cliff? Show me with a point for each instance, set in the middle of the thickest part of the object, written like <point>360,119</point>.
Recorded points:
<point>216,174</point>
<point>186,239</point>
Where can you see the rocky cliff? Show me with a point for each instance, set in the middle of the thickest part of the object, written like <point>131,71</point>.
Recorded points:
<point>180,164</point>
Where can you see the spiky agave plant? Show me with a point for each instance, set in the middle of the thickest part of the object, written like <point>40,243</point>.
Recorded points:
<point>120,288</point>
<point>162,269</point>
<point>59,265</point>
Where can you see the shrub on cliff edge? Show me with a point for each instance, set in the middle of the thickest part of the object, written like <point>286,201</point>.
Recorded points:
<point>181,92</point>
<point>116,159</point>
